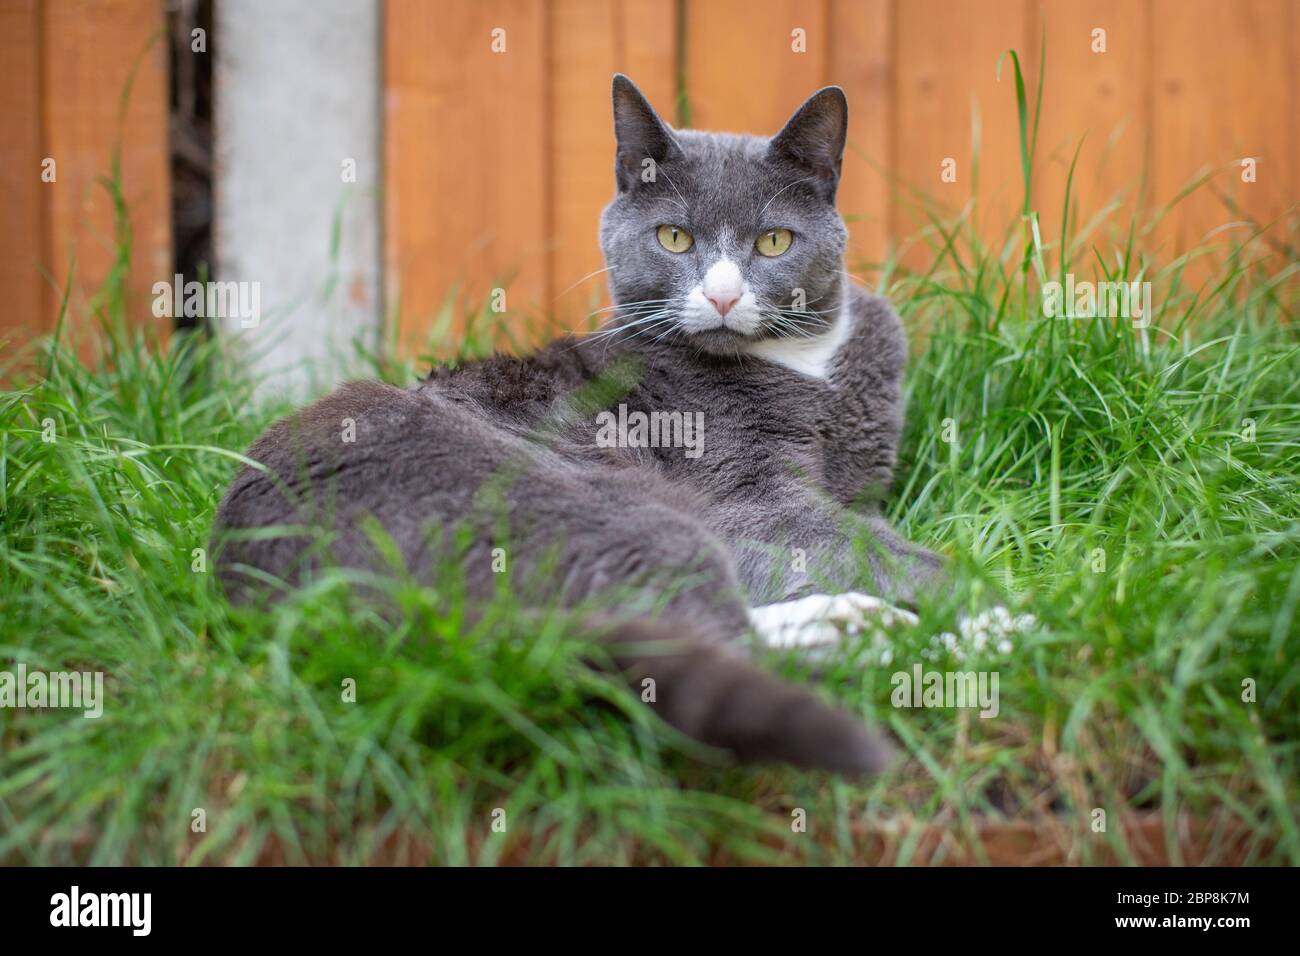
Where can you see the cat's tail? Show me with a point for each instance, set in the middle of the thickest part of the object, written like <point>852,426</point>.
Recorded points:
<point>721,699</point>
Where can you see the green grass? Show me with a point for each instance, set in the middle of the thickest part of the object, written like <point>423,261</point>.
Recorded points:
<point>1104,476</point>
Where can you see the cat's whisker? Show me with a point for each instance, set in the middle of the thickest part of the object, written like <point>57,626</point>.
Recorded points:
<point>767,305</point>
<point>589,275</point>
<point>685,207</point>
<point>803,316</point>
<point>667,332</point>
<point>627,311</point>
<point>629,306</point>
<point>793,324</point>
<point>645,322</point>
<point>790,310</point>
<point>801,329</point>
<point>661,336</point>
<point>609,333</point>
<point>789,332</point>
<point>645,317</point>
<point>804,313</point>
<point>779,191</point>
<point>624,332</point>
<point>669,320</point>
<point>814,301</point>
<point>636,314</point>
<point>629,322</point>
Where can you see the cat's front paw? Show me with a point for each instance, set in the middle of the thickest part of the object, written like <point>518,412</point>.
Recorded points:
<point>821,620</point>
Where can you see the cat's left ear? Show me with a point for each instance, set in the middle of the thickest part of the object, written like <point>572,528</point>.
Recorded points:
<point>643,138</point>
<point>814,137</point>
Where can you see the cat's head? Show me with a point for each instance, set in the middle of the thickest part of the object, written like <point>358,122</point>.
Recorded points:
<point>717,240</point>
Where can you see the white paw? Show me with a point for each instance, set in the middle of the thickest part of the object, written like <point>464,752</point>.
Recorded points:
<point>822,619</point>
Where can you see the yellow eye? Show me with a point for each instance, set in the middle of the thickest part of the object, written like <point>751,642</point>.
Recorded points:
<point>675,238</point>
<point>774,242</point>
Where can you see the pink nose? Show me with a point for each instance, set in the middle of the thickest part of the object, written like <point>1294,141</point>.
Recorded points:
<point>723,302</point>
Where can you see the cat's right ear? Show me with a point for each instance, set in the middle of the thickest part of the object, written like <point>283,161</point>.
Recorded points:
<point>644,140</point>
<point>813,138</point>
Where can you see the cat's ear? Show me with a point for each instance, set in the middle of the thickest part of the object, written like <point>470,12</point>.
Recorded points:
<point>641,135</point>
<point>814,136</point>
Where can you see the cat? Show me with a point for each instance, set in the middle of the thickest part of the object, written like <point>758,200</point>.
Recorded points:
<point>719,448</point>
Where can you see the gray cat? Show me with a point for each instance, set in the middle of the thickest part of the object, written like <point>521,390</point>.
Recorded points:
<point>713,457</point>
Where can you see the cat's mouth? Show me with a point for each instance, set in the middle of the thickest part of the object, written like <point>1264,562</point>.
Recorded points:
<point>720,340</point>
<point>743,323</point>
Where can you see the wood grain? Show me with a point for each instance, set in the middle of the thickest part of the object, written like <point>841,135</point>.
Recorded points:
<point>946,73</point>
<point>22,240</point>
<point>72,63</point>
<point>591,40</point>
<point>89,52</point>
<point>1223,91</point>
<point>860,61</point>
<point>467,160</point>
<point>1096,103</point>
<point>742,71</point>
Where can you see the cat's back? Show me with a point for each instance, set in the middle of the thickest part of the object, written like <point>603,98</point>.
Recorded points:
<point>516,390</point>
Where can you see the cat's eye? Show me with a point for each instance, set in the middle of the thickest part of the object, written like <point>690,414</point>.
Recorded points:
<point>774,242</point>
<point>675,238</point>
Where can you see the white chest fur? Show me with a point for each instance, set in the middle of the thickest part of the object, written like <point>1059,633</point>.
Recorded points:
<point>810,356</point>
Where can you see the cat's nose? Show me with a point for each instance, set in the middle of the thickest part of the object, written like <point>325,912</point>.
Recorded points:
<point>723,285</point>
<point>723,301</point>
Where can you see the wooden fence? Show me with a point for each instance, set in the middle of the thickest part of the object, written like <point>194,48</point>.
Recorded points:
<point>498,143</point>
<point>64,69</point>
<point>499,162</point>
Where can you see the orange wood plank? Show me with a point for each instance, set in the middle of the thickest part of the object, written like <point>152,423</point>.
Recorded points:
<point>742,74</point>
<point>1291,33</point>
<point>860,60</point>
<point>590,41</point>
<point>88,52</point>
<point>467,159</point>
<point>1221,93</point>
<point>946,60</point>
<point>1098,99</point>
<point>22,238</point>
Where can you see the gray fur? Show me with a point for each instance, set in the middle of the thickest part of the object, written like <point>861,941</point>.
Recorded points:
<point>791,464</point>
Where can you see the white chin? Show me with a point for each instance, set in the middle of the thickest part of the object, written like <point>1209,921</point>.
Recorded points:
<point>746,325</point>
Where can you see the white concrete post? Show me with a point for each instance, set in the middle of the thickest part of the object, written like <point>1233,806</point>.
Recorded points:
<point>298,94</point>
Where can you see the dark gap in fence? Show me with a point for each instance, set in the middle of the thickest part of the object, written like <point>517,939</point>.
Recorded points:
<point>191,55</point>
